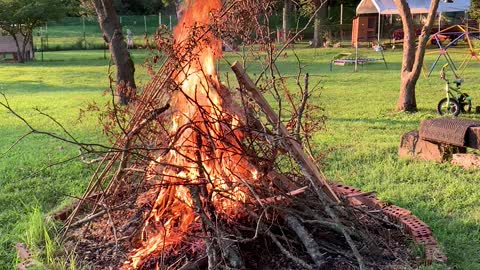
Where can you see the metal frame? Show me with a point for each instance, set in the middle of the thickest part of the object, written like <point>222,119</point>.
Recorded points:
<point>443,50</point>
<point>356,61</point>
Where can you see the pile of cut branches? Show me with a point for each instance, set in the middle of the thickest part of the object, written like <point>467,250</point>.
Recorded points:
<point>206,175</point>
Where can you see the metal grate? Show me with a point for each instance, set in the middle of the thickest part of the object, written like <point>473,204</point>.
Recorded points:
<point>446,130</point>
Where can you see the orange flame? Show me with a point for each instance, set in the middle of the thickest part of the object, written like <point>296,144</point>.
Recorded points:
<point>208,148</point>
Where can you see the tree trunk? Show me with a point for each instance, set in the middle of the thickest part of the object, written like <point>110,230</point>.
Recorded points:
<point>320,18</point>
<point>22,45</point>
<point>286,16</point>
<point>112,31</point>
<point>27,40</point>
<point>20,58</point>
<point>407,100</point>
<point>412,55</point>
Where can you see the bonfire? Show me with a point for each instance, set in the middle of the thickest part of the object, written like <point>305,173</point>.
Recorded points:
<point>205,176</point>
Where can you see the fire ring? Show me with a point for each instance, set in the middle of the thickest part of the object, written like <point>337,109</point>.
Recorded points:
<point>417,229</point>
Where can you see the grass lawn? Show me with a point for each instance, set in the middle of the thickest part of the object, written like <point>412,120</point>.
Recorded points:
<point>359,142</point>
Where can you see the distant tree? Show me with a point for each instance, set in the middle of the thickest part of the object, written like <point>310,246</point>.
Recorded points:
<point>322,21</point>
<point>475,9</point>
<point>112,32</point>
<point>20,17</point>
<point>317,8</point>
<point>172,5</point>
<point>413,54</point>
<point>74,8</point>
<point>139,7</point>
<point>287,7</point>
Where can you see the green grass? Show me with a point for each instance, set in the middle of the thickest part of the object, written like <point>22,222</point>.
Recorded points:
<point>39,235</point>
<point>359,142</point>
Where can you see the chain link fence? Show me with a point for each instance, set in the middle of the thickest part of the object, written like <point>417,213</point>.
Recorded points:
<point>83,33</point>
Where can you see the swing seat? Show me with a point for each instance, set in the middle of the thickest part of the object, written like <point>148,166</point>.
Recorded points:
<point>343,59</point>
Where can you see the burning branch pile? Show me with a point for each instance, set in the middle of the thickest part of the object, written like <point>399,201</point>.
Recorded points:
<point>207,176</point>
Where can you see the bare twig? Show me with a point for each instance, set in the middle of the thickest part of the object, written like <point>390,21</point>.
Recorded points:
<point>293,147</point>
<point>288,253</point>
<point>307,240</point>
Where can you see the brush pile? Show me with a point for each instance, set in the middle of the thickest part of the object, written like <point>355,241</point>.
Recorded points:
<point>205,175</point>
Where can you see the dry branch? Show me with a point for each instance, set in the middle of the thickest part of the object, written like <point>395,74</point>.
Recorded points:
<point>307,240</point>
<point>295,149</point>
<point>288,253</point>
<point>293,146</point>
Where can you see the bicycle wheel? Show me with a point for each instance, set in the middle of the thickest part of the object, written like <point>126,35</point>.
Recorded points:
<point>448,108</point>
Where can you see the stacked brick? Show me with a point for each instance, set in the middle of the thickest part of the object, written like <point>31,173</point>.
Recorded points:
<point>420,231</point>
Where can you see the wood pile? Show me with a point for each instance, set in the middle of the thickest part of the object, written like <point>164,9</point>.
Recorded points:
<point>206,176</point>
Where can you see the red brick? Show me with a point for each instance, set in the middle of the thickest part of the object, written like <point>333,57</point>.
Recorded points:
<point>395,212</point>
<point>412,223</point>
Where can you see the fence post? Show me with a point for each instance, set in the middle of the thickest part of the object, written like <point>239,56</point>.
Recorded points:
<point>170,22</point>
<point>159,19</point>
<point>341,22</point>
<point>356,56</point>
<point>379,26</point>
<point>46,33</point>
<point>41,44</point>
<point>145,22</point>
<point>84,35</point>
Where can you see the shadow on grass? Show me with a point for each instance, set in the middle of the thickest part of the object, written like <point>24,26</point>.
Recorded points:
<point>32,87</point>
<point>374,121</point>
<point>73,62</point>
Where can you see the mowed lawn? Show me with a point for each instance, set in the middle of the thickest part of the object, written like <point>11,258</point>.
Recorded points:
<point>359,143</point>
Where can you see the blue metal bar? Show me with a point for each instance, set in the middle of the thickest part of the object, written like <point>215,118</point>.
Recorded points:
<point>433,65</point>
<point>454,41</point>
<point>452,66</point>
<point>439,44</point>
<point>450,60</point>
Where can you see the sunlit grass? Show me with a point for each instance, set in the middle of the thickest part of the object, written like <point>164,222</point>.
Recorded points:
<point>359,142</point>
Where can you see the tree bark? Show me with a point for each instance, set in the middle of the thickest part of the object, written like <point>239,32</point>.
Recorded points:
<point>412,55</point>
<point>27,40</point>
<point>318,25</point>
<point>20,54</point>
<point>407,100</point>
<point>21,44</point>
<point>112,31</point>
